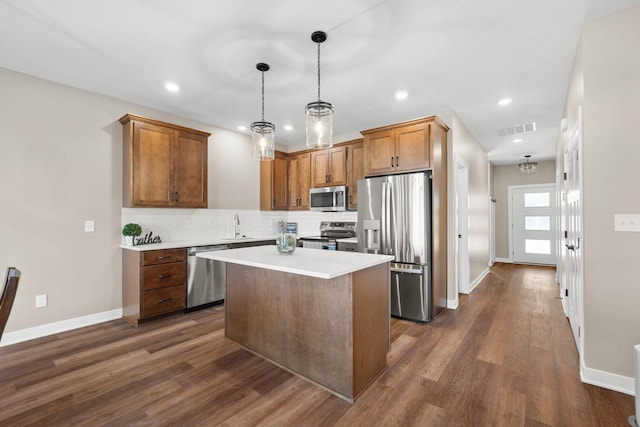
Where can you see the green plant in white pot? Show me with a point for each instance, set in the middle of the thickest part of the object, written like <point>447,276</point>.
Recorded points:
<point>130,231</point>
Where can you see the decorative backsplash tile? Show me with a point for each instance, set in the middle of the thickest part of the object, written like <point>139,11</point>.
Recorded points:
<point>181,224</point>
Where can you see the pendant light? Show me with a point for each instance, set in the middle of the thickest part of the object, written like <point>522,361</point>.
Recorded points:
<point>527,167</point>
<point>263,133</point>
<point>319,114</point>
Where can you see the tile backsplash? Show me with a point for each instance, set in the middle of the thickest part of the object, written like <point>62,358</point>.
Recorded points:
<point>187,224</point>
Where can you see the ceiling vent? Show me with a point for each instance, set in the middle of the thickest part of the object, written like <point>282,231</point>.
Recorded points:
<point>519,128</point>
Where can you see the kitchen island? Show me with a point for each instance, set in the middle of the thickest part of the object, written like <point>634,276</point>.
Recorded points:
<point>323,315</point>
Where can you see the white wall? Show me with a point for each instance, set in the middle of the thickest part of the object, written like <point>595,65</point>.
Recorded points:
<point>61,164</point>
<point>463,144</point>
<point>606,82</point>
<point>611,154</point>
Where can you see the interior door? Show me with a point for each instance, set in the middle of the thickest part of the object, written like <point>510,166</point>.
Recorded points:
<point>463,268</point>
<point>533,224</point>
<point>573,273</point>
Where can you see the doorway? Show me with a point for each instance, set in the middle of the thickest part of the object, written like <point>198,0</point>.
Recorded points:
<point>462,226</point>
<point>532,233</point>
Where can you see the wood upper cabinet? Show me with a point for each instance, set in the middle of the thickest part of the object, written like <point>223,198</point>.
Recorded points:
<point>355,171</point>
<point>329,167</point>
<point>398,148</point>
<point>164,165</point>
<point>298,168</point>
<point>274,183</point>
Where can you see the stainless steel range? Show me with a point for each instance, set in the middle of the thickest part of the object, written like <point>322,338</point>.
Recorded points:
<point>334,235</point>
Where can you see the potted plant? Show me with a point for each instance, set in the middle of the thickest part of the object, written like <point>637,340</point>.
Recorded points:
<point>130,231</point>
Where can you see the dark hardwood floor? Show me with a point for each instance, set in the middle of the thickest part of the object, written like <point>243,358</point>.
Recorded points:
<point>506,357</point>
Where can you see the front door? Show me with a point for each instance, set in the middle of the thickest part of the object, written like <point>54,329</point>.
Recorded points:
<point>533,221</point>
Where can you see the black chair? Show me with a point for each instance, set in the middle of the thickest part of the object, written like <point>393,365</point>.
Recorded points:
<point>9,289</point>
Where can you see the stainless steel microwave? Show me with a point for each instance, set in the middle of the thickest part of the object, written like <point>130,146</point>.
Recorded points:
<point>328,199</point>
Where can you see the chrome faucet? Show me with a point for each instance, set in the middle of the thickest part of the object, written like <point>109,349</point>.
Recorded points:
<point>236,224</point>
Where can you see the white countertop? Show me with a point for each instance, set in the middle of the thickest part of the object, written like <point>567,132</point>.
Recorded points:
<point>304,261</point>
<point>196,242</point>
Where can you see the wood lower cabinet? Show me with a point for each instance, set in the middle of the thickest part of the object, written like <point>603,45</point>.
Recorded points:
<point>298,169</point>
<point>274,183</point>
<point>397,148</point>
<point>329,167</point>
<point>153,283</point>
<point>355,171</point>
<point>164,165</point>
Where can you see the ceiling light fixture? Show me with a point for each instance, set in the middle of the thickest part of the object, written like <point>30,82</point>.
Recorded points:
<point>287,128</point>
<point>263,133</point>
<point>319,114</point>
<point>171,87</point>
<point>242,128</point>
<point>401,94</point>
<point>505,101</point>
<point>517,140</point>
<point>527,166</point>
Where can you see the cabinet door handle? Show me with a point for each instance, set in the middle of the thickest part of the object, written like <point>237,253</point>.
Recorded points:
<point>163,276</point>
<point>161,300</point>
<point>163,256</point>
<point>392,162</point>
<point>329,177</point>
<point>397,161</point>
<point>171,196</point>
<point>177,196</point>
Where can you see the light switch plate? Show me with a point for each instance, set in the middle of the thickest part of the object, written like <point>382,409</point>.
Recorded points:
<point>627,222</point>
<point>41,301</point>
<point>89,226</point>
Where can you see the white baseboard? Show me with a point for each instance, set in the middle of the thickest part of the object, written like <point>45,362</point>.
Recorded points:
<point>27,334</point>
<point>608,380</point>
<point>452,303</point>
<point>505,260</point>
<point>477,281</point>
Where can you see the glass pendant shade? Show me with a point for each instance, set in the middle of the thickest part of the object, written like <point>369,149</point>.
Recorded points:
<point>319,119</point>
<point>528,167</point>
<point>263,133</point>
<point>319,114</point>
<point>263,137</point>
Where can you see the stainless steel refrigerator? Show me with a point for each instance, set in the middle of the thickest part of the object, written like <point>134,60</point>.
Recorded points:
<point>394,218</point>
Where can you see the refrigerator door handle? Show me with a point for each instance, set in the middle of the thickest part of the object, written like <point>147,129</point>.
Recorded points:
<point>386,219</point>
<point>383,220</point>
<point>406,270</point>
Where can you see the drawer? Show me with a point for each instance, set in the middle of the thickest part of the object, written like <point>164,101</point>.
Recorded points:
<point>163,300</point>
<point>164,256</point>
<point>164,275</point>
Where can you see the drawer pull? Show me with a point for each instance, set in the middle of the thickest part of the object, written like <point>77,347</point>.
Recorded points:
<point>161,300</point>
<point>163,257</point>
<point>163,276</point>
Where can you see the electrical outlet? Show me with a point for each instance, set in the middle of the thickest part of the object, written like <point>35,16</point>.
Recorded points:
<point>41,301</point>
<point>89,226</point>
<point>625,222</point>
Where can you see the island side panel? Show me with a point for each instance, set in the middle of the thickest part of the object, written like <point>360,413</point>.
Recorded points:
<point>371,324</point>
<point>300,322</point>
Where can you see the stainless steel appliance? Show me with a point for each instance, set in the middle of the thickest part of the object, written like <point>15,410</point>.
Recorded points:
<point>206,279</point>
<point>330,234</point>
<point>328,199</point>
<point>394,218</point>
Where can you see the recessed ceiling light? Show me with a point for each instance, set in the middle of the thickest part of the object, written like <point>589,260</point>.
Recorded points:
<point>242,128</point>
<point>401,94</point>
<point>517,140</point>
<point>505,101</point>
<point>288,128</point>
<point>171,87</point>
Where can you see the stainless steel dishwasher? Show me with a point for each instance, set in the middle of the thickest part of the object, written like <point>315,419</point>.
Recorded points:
<point>206,278</point>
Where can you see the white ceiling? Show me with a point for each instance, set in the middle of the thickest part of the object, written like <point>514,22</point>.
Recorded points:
<point>457,56</point>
